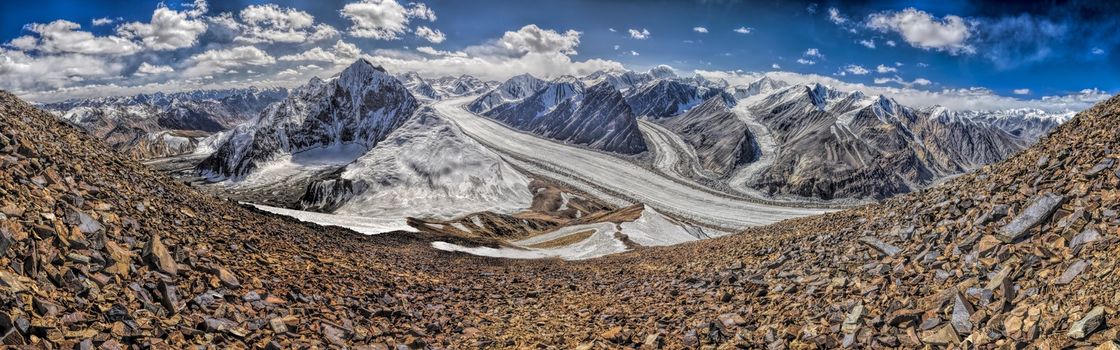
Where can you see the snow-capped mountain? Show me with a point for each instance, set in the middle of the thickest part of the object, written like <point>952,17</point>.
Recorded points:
<point>137,124</point>
<point>721,140</point>
<point>597,117</point>
<point>763,85</point>
<point>418,86</point>
<point>1029,123</point>
<point>835,144</point>
<point>514,89</point>
<point>425,168</point>
<point>358,107</point>
<point>665,98</point>
<point>462,85</point>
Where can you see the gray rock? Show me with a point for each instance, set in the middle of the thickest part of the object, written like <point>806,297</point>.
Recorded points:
<point>1034,215</point>
<point>881,246</point>
<point>1073,271</point>
<point>1087,236</point>
<point>1082,328</point>
<point>851,321</point>
<point>962,311</point>
<point>1104,164</point>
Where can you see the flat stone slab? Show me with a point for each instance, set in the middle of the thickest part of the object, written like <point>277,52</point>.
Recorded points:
<point>1034,215</point>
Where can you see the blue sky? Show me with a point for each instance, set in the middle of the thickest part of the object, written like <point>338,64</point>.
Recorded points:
<point>1018,51</point>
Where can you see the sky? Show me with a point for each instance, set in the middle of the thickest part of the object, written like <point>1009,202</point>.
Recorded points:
<point>1056,55</point>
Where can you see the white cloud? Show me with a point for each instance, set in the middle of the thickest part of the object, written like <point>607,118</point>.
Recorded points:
<point>612,30</point>
<point>616,47</point>
<point>530,39</point>
<point>102,21</point>
<point>898,64</point>
<point>1097,51</point>
<point>835,16</point>
<point>813,52</point>
<point>700,29</point>
<point>891,43</point>
<point>22,73</point>
<point>431,51</point>
<point>1021,91</point>
<point>743,30</point>
<point>542,52</point>
<point>62,36</point>
<point>223,60</point>
<point>270,23</point>
<point>805,61</point>
<point>639,34</point>
<point>869,43</point>
<point>168,29</point>
<point>341,53</point>
<point>922,64</point>
<point>924,31</point>
<point>149,69</point>
<point>633,53</point>
<point>431,35</point>
<point>775,66</point>
<point>855,69</point>
<point>885,69</point>
<point>898,80</point>
<point>383,19</point>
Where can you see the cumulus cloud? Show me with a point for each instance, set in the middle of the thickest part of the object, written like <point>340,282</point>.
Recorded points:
<point>775,66</point>
<point>884,69</point>
<point>62,36</point>
<point>743,30</point>
<point>270,23</point>
<point>341,53</point>
<point>530,49</point>
<point>813,52</point>
<point>1097,51</point>
<point>806,61</point>
<point>700,29</point>
<point>1021,91</point>
<point>224,60</point>
<point>869,43</point>
<point>22,73</point>
<point>168,29</point>
<point>383,19</point>
<point>529,39</point>
<point>431,35</point>
<point>150,69</point>
<point>922,30</point>
<point>639,34</point>
<point>634,53</point>
<point>891,43</point>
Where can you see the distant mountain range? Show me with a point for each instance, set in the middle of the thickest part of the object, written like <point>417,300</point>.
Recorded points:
<point>768,138</point>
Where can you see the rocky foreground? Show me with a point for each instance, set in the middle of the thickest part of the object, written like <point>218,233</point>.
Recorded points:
<point>98,251</point>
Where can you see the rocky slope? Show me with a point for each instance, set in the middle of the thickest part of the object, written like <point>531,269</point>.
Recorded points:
<point>516,88</point>
<point>358,108</point>
<point>666,98</point>
<point>98,251</point>
<point>138,125</point>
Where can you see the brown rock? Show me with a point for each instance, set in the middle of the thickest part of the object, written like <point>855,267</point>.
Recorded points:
<point>159,257</point>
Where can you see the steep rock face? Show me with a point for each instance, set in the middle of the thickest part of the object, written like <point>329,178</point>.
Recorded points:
<point>598,117</point>
<point>514,89</point>
<point>722,141</point>
<point>623,81</point>
<point>360,106</point>
<point>425,168</point>
<point>665,98</point>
